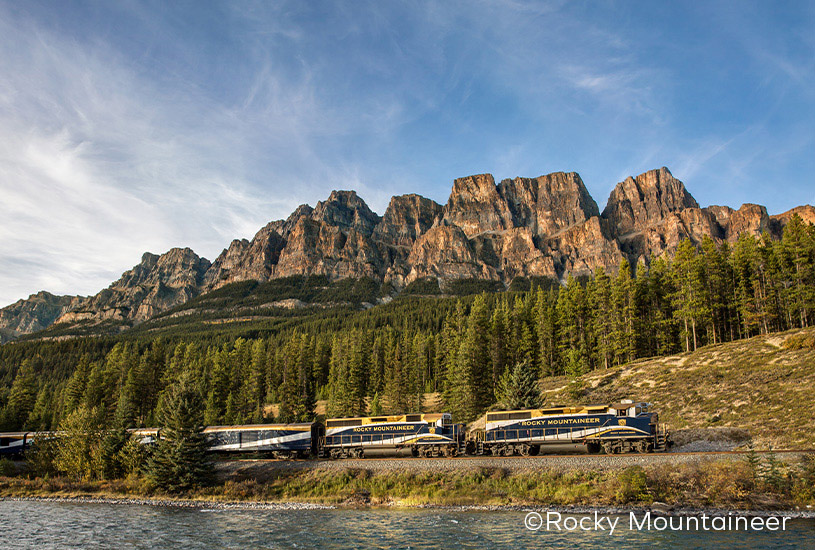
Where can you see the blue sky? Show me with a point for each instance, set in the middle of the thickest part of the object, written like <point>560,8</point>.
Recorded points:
<point>134,126</point>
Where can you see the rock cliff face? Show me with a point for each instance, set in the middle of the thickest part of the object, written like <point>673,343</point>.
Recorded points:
<point>546,227</point>
<point>155,285</point>
<point>33,314</point>
<point>639,203</point>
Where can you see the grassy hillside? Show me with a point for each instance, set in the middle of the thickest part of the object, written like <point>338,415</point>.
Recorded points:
<point>765,384</point>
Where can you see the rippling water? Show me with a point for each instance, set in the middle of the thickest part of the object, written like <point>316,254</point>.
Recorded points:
<point>50,525</point>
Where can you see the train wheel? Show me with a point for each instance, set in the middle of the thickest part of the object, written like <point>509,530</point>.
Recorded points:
<point>534,450</point>
<point>593,448</point>
<point>414,451</point>
<point>359,453</point>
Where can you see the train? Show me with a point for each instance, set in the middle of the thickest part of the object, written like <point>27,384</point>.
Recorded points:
<point>624,427</point>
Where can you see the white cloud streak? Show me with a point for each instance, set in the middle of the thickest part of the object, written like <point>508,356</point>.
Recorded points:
<point>187,136</point>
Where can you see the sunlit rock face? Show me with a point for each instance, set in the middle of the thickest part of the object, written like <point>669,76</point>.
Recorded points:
<point>548,226</point>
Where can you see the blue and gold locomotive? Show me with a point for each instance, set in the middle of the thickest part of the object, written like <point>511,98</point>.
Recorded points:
<point>617,428</point>
<point>424,434</point>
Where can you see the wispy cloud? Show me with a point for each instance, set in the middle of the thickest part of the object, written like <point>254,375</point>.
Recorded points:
<point>98,164</point>
<point>140,126</point>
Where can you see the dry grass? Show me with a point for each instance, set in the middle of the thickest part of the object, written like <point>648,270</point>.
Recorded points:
<point>764,385</point>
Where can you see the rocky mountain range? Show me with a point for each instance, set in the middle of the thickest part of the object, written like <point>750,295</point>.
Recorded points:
<point>548,226</point>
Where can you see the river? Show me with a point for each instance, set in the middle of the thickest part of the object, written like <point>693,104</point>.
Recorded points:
<point>64,525</point>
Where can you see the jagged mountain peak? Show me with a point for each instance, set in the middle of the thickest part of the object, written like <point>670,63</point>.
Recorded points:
<point>548,226</point>
<point>639,202</point>
<point>346,209</point>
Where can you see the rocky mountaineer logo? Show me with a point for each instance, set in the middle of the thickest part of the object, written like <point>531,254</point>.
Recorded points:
<point>384,428</point>
<point>555,521</point>
<point>561,421</point>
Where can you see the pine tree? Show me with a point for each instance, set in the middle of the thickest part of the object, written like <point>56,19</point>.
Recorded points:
<point>41,415</point>
<point>22,397</point>
<point>572,309</point>
<point>689,299</point>
<point>340,399</point>
<point>180,461</point>
<point>518,388</point>
<point>603,322</point>
<point>799,262</point>
<point>469,389</point>
<point>549,357</point>
<point>622,296</point>
<point>75,389</point>
<point>376,407</point>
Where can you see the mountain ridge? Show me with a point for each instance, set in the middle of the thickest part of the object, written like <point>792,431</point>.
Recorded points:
<point>548,227</point>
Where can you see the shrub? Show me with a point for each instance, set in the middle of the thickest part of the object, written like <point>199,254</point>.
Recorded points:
<point>632,486</point>
<point>7,468</point>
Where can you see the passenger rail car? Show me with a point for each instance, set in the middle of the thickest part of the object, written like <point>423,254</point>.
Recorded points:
<point>425,434</point>
<point>14,443</point>
<point>282,440</point>
<point>297,440</point>
<point>617,428</point>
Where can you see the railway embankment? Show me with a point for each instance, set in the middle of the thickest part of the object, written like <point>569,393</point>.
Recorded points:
<point>674,481</point>
<point>263,468</point>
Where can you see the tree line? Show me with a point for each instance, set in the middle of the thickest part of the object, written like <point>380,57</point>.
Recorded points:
<point>476,352</point>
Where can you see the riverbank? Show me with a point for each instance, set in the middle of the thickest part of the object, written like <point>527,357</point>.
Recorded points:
<point>656,509</point>
<point>725,484</point>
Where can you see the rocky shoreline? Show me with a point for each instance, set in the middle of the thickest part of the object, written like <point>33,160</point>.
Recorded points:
<point>176,503</point>
<point>656,508</point>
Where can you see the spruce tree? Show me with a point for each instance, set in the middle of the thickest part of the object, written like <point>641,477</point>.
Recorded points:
<point>376,406</point>
<point>22,398</point>
<point>518,387</point>
<point>180,461</point>
<point>622,295</point>
<point>603,322</point>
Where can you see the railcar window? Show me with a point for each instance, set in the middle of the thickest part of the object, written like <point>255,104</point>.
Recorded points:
<point>510,416</point>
